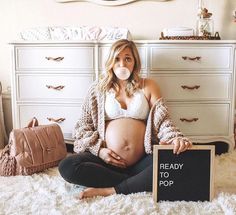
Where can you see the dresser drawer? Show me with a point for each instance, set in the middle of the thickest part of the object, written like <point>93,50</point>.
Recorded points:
<point>194,87</point>
<point>194,58</point>
<point>55,58</point>
<point>104,51</point>
<point>67,115</point>
<point>201,119</point>
<point>53,87</point>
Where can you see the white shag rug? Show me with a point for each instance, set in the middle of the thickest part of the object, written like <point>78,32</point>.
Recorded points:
<point>48,193</point>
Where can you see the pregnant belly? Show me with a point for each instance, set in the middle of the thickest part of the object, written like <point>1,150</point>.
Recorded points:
<point>125,137</point>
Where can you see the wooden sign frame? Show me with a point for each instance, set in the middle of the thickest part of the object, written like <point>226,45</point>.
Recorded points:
<point>158,148</point>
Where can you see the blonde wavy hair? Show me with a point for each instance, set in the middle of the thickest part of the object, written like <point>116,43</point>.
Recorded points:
<point>109,79</point>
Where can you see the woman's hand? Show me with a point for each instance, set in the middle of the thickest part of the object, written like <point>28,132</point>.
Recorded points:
<point>181,144</point>
<point>110,157</point>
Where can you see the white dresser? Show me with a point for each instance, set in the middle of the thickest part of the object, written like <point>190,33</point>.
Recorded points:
<point>197,79</point>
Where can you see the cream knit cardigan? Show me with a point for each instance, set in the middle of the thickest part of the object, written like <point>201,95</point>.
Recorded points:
<point>90,128</point>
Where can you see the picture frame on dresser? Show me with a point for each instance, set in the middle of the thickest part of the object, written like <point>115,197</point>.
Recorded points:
<point>197,80</point>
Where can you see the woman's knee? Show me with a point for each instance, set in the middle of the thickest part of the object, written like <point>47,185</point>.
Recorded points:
<point>69,167</point>
<point>66,168</point>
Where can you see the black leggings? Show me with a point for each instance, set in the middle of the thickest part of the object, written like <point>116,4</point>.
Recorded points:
<point>91,171</point>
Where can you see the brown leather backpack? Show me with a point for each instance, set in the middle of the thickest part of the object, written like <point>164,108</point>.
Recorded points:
<point>32,149</point>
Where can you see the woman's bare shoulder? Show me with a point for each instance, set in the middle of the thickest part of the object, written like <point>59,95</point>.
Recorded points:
<point>152,89</point>
<point>151,85</point>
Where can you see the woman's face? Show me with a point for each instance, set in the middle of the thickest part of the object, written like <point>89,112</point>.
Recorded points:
<point>125,59</point>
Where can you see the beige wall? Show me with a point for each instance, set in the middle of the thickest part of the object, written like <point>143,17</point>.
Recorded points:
<point>144,19</point>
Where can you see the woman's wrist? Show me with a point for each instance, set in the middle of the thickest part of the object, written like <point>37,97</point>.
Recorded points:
<point>99,151</point>
<point>103,145</point>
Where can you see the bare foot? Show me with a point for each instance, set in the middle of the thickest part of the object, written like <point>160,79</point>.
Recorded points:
<point>92,192</point>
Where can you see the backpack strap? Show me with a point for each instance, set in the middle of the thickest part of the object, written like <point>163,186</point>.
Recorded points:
<point>33,123</point>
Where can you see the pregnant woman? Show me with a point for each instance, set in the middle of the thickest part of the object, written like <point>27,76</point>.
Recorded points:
<point>123,115</point>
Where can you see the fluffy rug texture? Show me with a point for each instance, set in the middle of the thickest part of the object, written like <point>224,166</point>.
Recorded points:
<point>48,193</point>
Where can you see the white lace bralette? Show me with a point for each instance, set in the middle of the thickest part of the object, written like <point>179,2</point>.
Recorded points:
<point>138,107</point>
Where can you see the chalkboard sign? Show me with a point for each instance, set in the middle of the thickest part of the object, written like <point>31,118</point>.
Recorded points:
<point>187,176</point>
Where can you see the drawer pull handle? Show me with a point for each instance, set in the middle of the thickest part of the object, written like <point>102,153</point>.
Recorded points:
<point>60,87</point>
<point>189,120</point>
<point>190,88</point>
<point>59,120</point>
<point>191,58</point>
<point>55,58</point>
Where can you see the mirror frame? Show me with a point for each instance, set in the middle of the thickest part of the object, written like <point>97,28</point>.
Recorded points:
<point>106,2</point>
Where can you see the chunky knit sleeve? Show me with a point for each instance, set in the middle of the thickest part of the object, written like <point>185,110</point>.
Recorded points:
<point>163,126</point>
<point>87,137</point>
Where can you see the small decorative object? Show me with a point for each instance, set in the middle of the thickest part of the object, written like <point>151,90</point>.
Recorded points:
<point>205,25</point>
<point>178,31</point>
<point>205,37</point>
<point>204,31</point>
<point>75,33</point>
<point>234,15</point>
